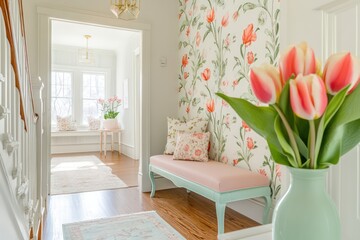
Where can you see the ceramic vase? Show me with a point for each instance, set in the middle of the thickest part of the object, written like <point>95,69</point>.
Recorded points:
<point>306,212</point>
<point>110,124</point>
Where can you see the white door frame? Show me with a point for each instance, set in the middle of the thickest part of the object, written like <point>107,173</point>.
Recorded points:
<point>137,95</point>
<point>45,16</point>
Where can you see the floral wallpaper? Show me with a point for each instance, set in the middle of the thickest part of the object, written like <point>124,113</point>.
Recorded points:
<point>219,41</point>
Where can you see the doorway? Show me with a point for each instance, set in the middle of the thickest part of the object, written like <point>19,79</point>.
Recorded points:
<point>45,16</point>
<point>107,74</point>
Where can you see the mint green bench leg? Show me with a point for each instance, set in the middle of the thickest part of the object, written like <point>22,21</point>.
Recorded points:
<point>267,209</point>
<point>152,179</point>
<point>220,215</point>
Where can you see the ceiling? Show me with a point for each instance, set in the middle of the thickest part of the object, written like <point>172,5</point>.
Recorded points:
<point>72,34</point>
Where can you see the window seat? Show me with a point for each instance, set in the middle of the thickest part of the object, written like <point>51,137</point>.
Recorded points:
<point>76,133</point>
<point>216,181</point>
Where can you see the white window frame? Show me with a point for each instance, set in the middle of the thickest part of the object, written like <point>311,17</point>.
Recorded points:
<point>72,89</point>
<point>77,79</point>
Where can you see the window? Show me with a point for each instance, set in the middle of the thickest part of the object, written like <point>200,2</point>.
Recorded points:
<point>61,95</point>
<point>93,89</point>
<point>75,93</point>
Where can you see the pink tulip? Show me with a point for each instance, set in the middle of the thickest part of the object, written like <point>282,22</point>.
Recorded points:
<point>341,70</point>
<point>265,83</point>
<point>308,96</point>
<point>297,59</point>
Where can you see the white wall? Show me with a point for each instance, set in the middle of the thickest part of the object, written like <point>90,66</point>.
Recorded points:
<point>125,70</point>
<point>162,16</point>
<point>297,27</point>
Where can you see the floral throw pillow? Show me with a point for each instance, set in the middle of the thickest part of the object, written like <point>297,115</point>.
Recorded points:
<point>94,123</point>
<point>192,146</point>
<point>65,123</point>
<point>175,125</point>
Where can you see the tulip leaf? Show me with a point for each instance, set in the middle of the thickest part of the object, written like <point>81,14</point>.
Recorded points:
<point>284,103</point>
<point>342,132</point>
<point>350,110</point>
<point>288,151</point>
<point>302,128</point>
<point>331,109</point>
<point>334,105</point>
<point>339,142</point>
<point>351,136</point>
<point>278,156</point>
<point>303,149</point>
<point>260,119</point>
<point>330,151</point>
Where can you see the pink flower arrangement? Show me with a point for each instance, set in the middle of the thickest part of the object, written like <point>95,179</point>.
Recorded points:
<point>109,107</point>
<point>313,114</point>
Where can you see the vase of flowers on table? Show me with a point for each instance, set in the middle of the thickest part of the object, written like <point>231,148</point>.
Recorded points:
<point>310,118</point>
<point>109,109</point>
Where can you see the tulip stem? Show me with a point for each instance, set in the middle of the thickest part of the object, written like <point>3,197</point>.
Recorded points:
<point>290,134</point>
<point>312,144</point>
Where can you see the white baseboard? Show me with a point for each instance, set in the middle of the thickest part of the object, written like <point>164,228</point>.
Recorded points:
<point>252,208</point>
<point>90,147</point>
<point>127,150</point>
<point>76,148</point>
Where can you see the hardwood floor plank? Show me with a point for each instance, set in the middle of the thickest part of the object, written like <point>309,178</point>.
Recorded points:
<point>191,215</point>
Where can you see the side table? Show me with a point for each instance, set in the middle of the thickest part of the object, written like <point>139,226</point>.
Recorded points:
<point>263,232</point>
<point>103,137</point>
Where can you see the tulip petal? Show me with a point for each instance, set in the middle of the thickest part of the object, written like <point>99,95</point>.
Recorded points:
<point>341,70</point>
<point>299,59</point>
<point>308,96</point>
<point>265,83</point>
<point>300,99</point>
<point>317,92</point>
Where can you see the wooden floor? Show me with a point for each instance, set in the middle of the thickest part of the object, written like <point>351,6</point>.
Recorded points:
<point>124,167</point>
<point>191,215</point>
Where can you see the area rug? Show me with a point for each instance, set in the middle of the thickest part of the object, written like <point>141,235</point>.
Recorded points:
<point>81,174</point>
<point>136,226</point>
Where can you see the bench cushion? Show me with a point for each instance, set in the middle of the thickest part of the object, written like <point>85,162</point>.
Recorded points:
<point>217,176</point>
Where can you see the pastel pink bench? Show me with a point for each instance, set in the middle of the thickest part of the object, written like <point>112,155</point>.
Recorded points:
<point>216,181</point>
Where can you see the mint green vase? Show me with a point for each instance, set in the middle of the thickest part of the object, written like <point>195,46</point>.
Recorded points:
<point>306,212</point>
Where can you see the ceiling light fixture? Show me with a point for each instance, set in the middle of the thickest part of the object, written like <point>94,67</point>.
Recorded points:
<point>85,54</point>
<point>125,9</point>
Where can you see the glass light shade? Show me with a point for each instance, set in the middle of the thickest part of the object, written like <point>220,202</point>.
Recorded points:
<point>125,9</point>
<point>86,55</point>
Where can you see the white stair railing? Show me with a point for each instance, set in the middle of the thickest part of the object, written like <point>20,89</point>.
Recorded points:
<point>21,201</point>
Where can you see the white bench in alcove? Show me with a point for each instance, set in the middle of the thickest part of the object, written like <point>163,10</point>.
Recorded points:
<point>216,181</point>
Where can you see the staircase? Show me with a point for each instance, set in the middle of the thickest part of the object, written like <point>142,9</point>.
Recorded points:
<point>22,196</point>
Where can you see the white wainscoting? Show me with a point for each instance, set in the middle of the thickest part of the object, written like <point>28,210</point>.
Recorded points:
<point>84,141</point>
